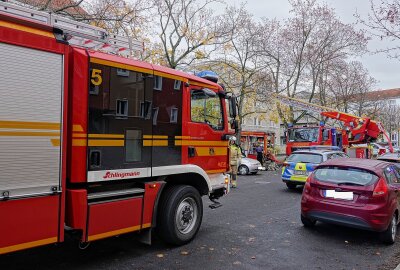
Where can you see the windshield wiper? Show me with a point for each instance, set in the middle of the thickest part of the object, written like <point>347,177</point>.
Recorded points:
<point>349,184</point>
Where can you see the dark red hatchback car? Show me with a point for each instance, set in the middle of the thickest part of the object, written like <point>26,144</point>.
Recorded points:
<point>359,193</point>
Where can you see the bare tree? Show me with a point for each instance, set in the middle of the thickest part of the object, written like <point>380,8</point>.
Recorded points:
<point>383,22</point>
<point>130,18</point>
<point>299,57</point>
<point>188,29</point>
<point>239,64</point>
<point>347,86</point>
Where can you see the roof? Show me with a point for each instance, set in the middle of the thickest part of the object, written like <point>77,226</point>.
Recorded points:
<point>55,5</point>
<point>316,151</point>
<point>366,164</point>
<point>381,94</point>
<point>127,63</point>
<point>391,156</point>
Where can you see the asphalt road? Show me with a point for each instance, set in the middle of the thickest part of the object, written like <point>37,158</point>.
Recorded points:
<point>258,227</point>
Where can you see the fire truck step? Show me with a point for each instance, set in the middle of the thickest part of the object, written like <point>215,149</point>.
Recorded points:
<point>215,205</point>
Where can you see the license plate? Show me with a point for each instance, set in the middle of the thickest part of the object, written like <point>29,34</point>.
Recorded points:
<point>339,195</point>
<point>300,172</point>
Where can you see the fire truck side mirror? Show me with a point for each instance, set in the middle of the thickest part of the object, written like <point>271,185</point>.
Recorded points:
<point>232,107</point>
<point>234,124</point>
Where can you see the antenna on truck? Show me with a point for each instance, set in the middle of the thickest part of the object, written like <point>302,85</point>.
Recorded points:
<point>77,33</point>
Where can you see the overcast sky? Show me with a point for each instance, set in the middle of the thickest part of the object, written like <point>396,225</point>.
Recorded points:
<point>383,69</point>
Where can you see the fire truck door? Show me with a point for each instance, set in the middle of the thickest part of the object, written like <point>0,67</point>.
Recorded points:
<point>31,91</point>
<point>205,128</point>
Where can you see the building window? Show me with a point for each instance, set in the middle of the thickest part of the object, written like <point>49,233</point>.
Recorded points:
<point>94,90</point>
<point>145,109</point>
<point>155,115</point>
<point>122,72</point>
<point>157,83</point>
<point>133,145</point>
<point>177,85</point>
<point>174,115</point>
<point>122,108</point>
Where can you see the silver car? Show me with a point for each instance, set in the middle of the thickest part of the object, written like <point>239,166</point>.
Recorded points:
<point>248,165</point>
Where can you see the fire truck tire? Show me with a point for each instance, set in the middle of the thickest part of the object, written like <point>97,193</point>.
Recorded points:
<point>180,214</point>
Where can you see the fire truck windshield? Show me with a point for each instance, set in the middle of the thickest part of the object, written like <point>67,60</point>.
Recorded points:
<point>206,109</point>
<point>303,134</point>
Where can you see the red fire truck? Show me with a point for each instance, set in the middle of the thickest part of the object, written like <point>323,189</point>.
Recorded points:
<point>306,136</point>
<point>250,139</point>
<point>357,130</point>
<point>98,143</point>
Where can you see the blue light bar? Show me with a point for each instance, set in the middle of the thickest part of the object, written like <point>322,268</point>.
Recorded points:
<point>208,75</point>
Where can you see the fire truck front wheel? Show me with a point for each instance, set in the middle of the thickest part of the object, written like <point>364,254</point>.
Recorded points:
<point>180,214</point>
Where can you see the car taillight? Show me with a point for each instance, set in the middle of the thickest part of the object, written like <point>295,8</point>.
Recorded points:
<point>380,189</point>
<point>307,186</point>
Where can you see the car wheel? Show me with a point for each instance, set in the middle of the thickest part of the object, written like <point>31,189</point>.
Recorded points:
<point>308,223</point>
<point>291,185</point>
<point>389,236</point>
<point>180,214</point>
<point>243,170</point>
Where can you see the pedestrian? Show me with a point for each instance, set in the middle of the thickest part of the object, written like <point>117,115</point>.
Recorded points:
<point>260,154</point>
<point>235,156</point>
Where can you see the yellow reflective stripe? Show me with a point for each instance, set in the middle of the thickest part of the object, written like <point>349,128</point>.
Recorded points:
<point>202,84</point>
<point>119,65</point>
<point>79,135</point>
<point>201,143</point>
<point>106,143</point>
<point>33,134</point>
<point>29,125</point>
<point>77,128</point>
<point>155,137</point>
<point>28,245</point>
<point>55,142</point>
<point>26,29</point>
<point>79,142</point>
<point>146,225</point>
<point>183,137</point>
<point>300,167</point>
<point>112,233</point>
<point>301,178</point>
<point>113,136</point>
<point>170,76</point>
<point>217,151</point>
<point>216,171</point>
<point>155,143</point>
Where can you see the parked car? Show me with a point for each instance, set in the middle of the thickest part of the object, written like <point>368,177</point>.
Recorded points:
<point>359,193</point>
<point>248,166</point>
<point>300,164</point>
<point>391,157</point>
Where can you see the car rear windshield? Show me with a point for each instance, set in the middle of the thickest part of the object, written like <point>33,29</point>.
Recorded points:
<point>305,158</point>
<point>350,176</point>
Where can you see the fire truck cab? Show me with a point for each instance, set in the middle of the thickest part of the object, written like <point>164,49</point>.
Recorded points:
<point>304,137</point>
<point>98,143</point>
